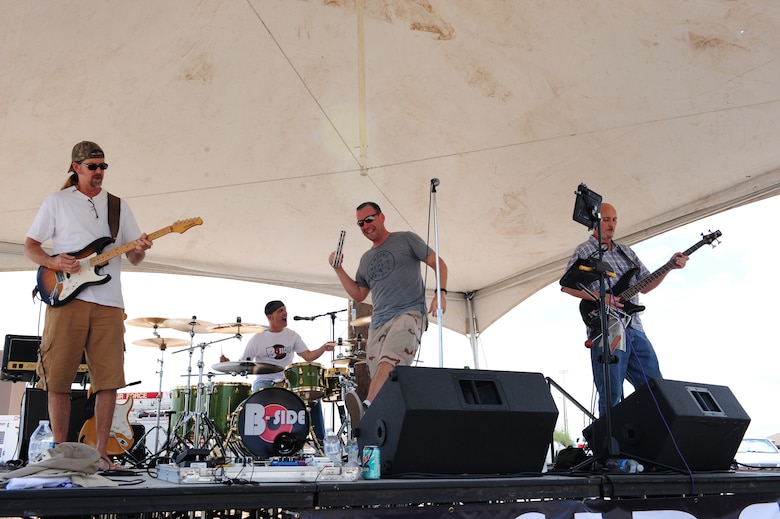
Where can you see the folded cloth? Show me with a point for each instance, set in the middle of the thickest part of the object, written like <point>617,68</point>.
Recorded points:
<point>67,459</point>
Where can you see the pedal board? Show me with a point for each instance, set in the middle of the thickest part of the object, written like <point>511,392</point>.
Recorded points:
<point>256,474</point>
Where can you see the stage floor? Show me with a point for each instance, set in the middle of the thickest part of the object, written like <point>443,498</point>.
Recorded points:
<point>144,493</point>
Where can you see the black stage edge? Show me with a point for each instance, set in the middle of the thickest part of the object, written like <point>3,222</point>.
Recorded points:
<point>146,495</point>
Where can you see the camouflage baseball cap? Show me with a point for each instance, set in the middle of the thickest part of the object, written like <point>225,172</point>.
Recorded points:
<point>85,150</point>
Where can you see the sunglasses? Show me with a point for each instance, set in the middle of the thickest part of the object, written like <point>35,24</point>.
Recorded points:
<point>93,167</point>
<point>367,219</point>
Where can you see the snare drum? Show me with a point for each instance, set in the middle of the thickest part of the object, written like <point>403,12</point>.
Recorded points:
<point>225,398</point>
<point>306,379</point>
<point>271,422</point>
<point>332,383</point>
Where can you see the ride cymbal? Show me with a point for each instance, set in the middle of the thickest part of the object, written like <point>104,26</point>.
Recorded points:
<point>161,342</point>
<point>238,328</point>
<point>189,325</point>
<point>148,322</point>
<point>246,366</point>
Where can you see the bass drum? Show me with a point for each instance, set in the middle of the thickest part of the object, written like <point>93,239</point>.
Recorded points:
<point>271,422</point>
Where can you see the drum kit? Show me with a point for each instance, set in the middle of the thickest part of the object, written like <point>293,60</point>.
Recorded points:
<point>225,418</point>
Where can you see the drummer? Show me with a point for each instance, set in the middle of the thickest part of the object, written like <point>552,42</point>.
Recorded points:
<point>278,345</point>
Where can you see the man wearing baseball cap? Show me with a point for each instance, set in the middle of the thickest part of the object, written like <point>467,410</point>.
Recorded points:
<point>90,322</point>
<point>278,346</point>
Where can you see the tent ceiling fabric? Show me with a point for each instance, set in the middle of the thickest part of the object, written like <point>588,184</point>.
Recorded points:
<point>273,119</point>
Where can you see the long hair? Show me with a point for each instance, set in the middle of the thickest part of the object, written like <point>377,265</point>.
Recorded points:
<point>72,180</point>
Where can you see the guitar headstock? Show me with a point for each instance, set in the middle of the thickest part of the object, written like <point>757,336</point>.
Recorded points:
<point>182,225</point>
<point>711,237</point>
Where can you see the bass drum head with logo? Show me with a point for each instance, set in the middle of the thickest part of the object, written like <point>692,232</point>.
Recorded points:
<point>272,422</point>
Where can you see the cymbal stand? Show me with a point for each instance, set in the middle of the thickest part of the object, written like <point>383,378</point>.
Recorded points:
<point>204,429</point>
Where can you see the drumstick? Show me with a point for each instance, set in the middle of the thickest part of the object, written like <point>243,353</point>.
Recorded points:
<point>339,250</point>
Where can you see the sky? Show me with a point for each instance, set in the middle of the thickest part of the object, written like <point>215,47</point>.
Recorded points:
<point>709,322</point>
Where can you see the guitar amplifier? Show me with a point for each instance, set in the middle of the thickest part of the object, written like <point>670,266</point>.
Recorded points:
<point>20,358</point>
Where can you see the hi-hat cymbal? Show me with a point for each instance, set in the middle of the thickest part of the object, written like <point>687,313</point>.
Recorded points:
<point>238,328</point>
<point>148,322</point>
<point>341,341</point>
<point>189,325</point>
<point>161,342</point>
<point>361,321</point>
<point>254,368</point>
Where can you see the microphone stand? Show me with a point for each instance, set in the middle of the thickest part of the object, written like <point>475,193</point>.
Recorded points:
<point>439,314</point>
<point>587,211</point>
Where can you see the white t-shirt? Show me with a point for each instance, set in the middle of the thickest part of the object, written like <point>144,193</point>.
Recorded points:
<point>70,220</point>
<point>278,348</point>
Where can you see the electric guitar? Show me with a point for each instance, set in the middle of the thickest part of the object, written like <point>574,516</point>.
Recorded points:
<point>57,287</point>
<point>590,309</point>
<point>120,437</point>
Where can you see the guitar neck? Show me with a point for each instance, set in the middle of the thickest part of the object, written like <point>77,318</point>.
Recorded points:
<point>630,292</point>
<point>107,256</point>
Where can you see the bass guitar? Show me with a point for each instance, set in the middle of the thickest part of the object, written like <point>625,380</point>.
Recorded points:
<point>57,287</point>
<point>589,310</point>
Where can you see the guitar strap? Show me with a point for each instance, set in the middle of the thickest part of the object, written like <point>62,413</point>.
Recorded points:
<point>113,215</point>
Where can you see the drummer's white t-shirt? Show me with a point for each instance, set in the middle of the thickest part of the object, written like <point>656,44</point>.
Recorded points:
<point>278,348</point>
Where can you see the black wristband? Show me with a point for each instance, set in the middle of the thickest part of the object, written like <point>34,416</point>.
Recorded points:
<point>443,290</point>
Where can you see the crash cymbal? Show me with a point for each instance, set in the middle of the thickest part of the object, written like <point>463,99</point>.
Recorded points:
<point>361,321</point>
<point>161,342</point>
<point>246,366</point>
<point>189,325</point>
<point>238,328</point>
<point>148,322</point>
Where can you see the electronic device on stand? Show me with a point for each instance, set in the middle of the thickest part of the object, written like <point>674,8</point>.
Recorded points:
<point>587,211</point>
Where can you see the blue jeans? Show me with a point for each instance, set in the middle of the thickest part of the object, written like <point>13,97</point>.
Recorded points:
<point>637,364</point>
<point>315,414</point>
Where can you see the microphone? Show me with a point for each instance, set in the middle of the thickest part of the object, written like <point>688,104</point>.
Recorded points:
<point>435,182</point>
<point>299,318</point>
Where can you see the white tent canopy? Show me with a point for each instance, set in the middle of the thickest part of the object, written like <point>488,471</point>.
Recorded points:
<point>273,119</point>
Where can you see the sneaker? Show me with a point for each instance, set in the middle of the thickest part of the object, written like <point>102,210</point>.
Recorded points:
<point>355,407</point>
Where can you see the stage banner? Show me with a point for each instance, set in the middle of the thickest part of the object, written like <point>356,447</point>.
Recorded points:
<point>757,506</point>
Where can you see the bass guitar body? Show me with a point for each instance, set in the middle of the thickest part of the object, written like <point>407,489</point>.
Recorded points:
<point>590,311</point>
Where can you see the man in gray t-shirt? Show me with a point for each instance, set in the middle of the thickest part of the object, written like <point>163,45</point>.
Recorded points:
<point>390,271</point>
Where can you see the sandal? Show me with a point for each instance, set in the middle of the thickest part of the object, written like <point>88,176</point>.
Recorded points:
<point>107,465</point>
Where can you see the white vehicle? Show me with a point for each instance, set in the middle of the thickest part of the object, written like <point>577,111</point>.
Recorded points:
<point>757,453</point>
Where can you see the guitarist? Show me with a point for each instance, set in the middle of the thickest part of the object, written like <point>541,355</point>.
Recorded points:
<point>93,322</point>
<point>637,362</point>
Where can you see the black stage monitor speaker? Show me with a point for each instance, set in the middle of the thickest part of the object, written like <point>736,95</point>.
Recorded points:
<point>706,423</point>
<point>438,421</point>
<point>35,408</point>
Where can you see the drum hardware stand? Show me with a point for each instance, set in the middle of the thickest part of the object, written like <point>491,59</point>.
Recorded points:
<point>587,211</point>
<point>204,430</point>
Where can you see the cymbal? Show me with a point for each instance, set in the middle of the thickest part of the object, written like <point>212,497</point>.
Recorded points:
<point>161,342</point>
<point>148,322</point>
<point>237,328</point>
<point>189,325</point>
<point>348,360</point>
<point>349,341</point>
<point>246,366</point>
<point>361,321</point>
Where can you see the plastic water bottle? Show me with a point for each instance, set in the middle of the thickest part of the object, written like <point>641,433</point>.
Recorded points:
<point>625,466</point>
<point>41,440</point>
<point>333,448</point>
<point>353,453</point>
